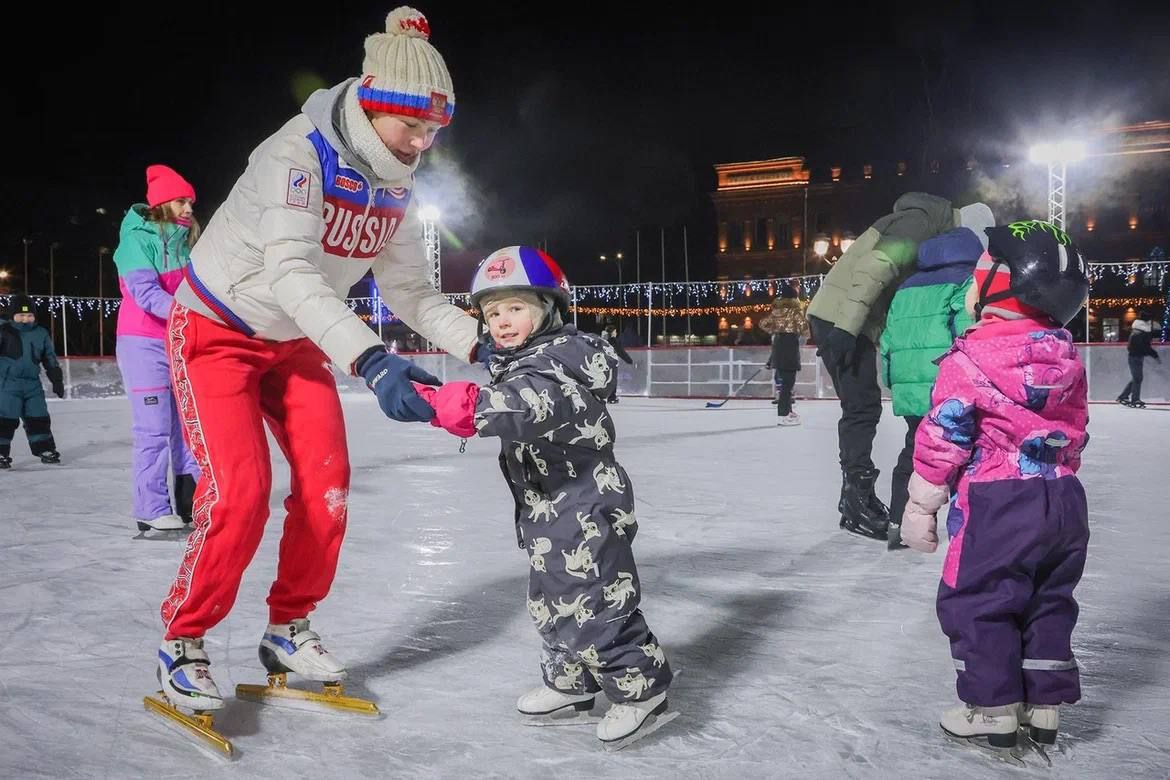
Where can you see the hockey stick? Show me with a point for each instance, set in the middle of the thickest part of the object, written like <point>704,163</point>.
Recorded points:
<point>717,404</point>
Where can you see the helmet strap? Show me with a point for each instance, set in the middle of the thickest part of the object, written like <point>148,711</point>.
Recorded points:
<point>985,296</point>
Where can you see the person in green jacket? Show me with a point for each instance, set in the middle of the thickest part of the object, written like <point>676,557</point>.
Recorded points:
<point>847,316</point>
<point>926,314</point>
<point>24,348</point>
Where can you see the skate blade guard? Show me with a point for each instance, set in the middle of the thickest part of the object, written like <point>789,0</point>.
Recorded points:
<point>200,725</point>
<point>331,698</point>
<point>648,727</point>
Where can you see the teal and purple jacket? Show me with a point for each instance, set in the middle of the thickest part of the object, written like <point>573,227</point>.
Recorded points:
<point>150,258</point>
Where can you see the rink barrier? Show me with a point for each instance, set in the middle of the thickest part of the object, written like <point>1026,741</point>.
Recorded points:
<point>677,372</point>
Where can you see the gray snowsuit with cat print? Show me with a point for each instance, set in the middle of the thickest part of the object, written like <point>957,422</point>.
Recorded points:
<point>574,513</point>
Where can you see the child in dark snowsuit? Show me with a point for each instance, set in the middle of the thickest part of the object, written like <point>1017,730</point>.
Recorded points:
<point>24,348</point>
<point>574,502</point>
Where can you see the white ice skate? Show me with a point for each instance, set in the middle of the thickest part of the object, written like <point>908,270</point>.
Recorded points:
<point>292,647</point>
<point>789,419</point>
<point>991,729</point>
<point>161,523</point>
<point>185,677</point>
<point>629,722</point>
<point>186,685</point>
<point>1042,722</point>
<point>544,706</point>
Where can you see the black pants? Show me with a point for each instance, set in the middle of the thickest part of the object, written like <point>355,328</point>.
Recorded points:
<point>856,385</point>
<point>1133,390</point>
<point>784,382</point>
<point>899,492</point>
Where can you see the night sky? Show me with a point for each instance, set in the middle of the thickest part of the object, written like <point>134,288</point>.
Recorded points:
<point>575,131</point>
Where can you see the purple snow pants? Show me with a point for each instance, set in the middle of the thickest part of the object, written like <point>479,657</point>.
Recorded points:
<point>1011,614</point>
<point>158,431</point>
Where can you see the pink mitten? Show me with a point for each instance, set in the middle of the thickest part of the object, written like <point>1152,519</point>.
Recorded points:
<point>454,405</point>
<point>919,526</point>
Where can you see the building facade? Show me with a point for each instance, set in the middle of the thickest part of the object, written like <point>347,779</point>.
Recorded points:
<point>793,216</point>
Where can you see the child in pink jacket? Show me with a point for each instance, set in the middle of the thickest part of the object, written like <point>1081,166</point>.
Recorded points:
<point>1003,442</point>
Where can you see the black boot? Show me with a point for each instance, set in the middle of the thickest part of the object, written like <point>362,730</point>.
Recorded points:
<point>863,512</point>
<point>184,495</point>
<point>51,457</point>
<point>5,462</point>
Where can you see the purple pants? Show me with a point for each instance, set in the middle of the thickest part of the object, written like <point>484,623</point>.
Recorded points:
<point>1011,614</point>
<point>158,431</point>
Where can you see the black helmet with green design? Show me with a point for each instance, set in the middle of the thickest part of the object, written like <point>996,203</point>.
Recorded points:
<point>1048,272</point>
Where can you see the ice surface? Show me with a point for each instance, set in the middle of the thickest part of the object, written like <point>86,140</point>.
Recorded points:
<point>802,651</point>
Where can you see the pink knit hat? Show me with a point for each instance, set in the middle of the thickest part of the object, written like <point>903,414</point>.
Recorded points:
<point>164,184</point>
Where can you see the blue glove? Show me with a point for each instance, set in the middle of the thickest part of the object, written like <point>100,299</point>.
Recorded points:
<point>839,347</point>
<point>389,376</point>
<point>484,350</point>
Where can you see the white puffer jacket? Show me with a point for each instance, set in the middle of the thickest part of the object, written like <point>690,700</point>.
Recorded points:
<point>301,226</point>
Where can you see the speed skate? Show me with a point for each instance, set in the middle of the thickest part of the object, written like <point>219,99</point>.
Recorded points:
<point>294,647</point>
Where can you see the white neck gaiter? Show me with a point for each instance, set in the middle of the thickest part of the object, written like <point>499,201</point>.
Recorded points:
<point>367,143</point>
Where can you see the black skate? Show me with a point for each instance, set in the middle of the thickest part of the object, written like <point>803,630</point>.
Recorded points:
<point>862,512</point>
<point>5,462</point>
<point>50,457</point>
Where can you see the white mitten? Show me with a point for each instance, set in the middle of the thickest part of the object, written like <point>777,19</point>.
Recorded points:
<point>919,526</point>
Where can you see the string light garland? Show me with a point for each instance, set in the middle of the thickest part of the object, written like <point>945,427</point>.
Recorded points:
<point>680,299</point>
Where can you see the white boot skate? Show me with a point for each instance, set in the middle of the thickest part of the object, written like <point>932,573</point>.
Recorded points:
<point>1042,722</point>
<point>292,647</point>
<point>185,677</point>
<point>547,706</point>
<point>161,523</point>
<point>994,727</point>
<point>186,682</point>
<point>629,722</point>
<point>792,418</point>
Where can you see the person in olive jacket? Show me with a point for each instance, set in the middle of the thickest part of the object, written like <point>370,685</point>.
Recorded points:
<point>24,348</point>
<point>847,316</point>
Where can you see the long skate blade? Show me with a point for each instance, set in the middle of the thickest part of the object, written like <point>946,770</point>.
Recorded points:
<point>175,535</point>
<point>1007,755</point>
<point>648,727</point>
<point>198,725</point>
<point>331,699</point>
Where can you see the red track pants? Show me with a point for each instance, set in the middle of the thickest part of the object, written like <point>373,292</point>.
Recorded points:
<point>226,386</point>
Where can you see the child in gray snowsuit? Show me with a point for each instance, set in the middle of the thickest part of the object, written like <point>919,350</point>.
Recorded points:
<point>574,504</point>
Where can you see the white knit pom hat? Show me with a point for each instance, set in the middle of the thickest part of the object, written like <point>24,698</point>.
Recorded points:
<point>402,73</point>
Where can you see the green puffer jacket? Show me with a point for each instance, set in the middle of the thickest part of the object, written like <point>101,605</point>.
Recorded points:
<point>926,315</point>
<point>856,293</point>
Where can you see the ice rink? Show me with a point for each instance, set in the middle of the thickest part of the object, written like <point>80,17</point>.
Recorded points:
<point>801,651</point>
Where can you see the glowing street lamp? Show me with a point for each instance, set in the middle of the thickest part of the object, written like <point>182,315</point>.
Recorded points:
<point>1057,156</point>
<point>820,245</point>
<point>617,256</point>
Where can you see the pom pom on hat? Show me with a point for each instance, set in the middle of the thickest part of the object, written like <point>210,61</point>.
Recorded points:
<point>164,184</point>
<point>402,73</point>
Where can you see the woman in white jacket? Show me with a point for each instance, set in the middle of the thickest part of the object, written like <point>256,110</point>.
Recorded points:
<point>260,312</point>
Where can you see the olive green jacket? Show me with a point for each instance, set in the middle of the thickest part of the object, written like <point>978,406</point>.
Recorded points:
<point>856,293</point>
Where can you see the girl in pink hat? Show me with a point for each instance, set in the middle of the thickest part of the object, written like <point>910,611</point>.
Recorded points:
<point>153,247</point>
